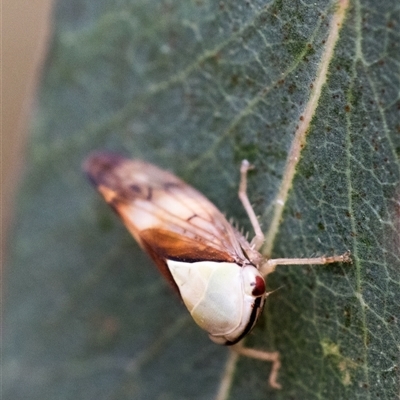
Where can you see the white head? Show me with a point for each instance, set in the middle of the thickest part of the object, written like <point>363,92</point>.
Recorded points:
<point>224,299</point>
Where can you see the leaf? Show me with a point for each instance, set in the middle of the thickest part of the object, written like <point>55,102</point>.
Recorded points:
<point>195,88</point>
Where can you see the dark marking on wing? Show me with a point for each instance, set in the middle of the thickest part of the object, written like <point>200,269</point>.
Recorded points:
<point>172,246</point>
<point>162,266</point>
<point>136,189</point>
<point>100,168</point>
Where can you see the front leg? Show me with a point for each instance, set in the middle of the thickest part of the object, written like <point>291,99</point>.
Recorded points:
<point>258,240</point>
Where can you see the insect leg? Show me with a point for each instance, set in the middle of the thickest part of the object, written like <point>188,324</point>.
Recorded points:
<point>263,356</point>
<point>269,266</point>
<point>259,238</point>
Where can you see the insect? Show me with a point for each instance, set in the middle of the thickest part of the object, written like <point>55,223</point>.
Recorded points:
<point>217,273</point>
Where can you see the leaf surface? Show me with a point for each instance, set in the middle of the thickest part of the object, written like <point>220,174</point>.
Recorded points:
<point>196,87</point>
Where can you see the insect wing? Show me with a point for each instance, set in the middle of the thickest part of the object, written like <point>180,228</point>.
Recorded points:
<point>167,217</point>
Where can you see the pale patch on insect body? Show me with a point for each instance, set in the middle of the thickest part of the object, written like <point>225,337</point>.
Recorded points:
<point>224,299</point>
<point>217,273</point>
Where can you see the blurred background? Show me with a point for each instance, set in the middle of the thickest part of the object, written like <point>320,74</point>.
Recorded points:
<point>25,31</point>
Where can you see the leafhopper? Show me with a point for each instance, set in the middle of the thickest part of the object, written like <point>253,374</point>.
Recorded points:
<point>217,273</point>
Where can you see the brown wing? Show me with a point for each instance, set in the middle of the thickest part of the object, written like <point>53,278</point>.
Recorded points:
<point>167,217</point>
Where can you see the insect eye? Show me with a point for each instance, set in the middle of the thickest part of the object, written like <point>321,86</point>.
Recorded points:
<point>254,284</point>
<point>258,287</point>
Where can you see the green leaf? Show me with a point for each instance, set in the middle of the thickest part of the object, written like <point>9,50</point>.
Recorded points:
<point>195,87</point>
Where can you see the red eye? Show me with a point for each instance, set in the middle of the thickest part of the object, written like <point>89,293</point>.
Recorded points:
<point>259,287</point>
